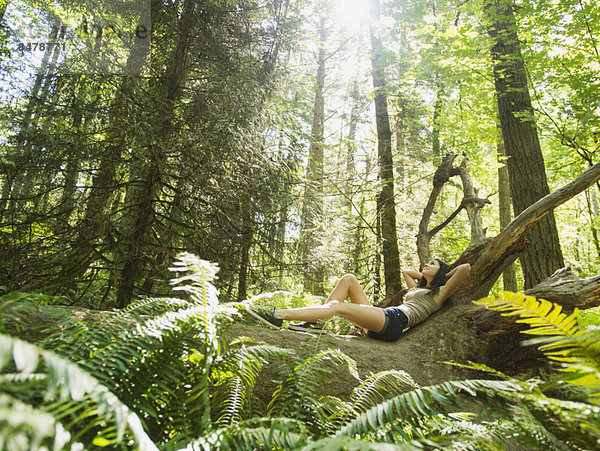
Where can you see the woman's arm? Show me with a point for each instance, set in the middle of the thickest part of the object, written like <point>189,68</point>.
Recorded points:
<point>456,277</point>
<point>410,276</point>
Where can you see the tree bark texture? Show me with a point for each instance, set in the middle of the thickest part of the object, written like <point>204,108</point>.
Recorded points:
<point>526,168</point>
<point>387,203</point>
<point>312,207</point>
<point>473,204</point>
<point>509,276</point>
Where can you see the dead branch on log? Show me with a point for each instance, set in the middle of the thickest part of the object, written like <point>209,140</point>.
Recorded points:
<point>566,289</point>
<point>471,202</point>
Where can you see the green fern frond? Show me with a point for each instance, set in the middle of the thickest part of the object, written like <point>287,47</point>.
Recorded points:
<point>333,410</point>
<point>561,340</point>
<point>24,427</point>
<point>258,433</point>
<point>301,386</point>
<point>68,381</point>
<point>343,442</point>
<point>422,402</point>
<point>541,421</point>
<point>235,377</point>
<point>380,386</point>
<point>544,317</point>
<point>373,390</point>
<point>574,423</point>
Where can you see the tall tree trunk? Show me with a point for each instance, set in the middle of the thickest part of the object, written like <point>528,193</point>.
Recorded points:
<point>312,208</point>
<point>71,172</point>
<point>134,226</point>
<point>246,246</point>
<point>94,222</point>
<point>592,213</point>
<point>526,168</point>
<point>509,277</point>
<point>350,169</point>
<point>386,203</point>
<point>146,172</point>
<point>400,132</point>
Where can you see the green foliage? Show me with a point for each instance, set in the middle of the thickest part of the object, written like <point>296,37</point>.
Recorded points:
<point>68,397</point>
<point>167,366</point>
<point>589,317</point>
<point>157,374</point>
<point>558,335</point>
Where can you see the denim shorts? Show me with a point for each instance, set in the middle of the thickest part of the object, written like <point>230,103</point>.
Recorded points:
<point>395,323</point>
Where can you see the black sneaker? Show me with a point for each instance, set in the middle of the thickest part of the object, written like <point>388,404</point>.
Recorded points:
<point>266,315</point>
<point>305,326</point>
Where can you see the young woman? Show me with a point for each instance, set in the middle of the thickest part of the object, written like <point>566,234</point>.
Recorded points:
<point>428,290</point>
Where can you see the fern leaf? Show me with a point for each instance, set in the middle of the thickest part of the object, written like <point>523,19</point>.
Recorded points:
<point>300,388</point>
<point>258,433</point>
<point>559,337</point>
<point>422,402</point>
<point>544,317</point>
<point>379,386</point>
<point>26,427</point>
<point>69,381</point>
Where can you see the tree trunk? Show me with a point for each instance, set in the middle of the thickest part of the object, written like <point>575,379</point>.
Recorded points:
<point>591,212</point>
<point>509,276</point>
<point>350,169</point>
<point>387,203</point>
<point>246,246</point>
<point>71,172</point>
<point>312,208</point>
<point>442,175</point>
<point>147,172</point>
<point>437,112</point>
<point>526,169</point>
<point>93,225</point>
<point>134,226</point>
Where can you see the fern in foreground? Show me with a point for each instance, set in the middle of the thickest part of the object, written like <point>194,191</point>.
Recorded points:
<point>66,392</point>
<point>558,336</point>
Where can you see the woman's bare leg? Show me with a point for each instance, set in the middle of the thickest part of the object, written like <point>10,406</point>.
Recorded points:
<point>365,316</point>
<point>349,286</point>
<point>358,311</point>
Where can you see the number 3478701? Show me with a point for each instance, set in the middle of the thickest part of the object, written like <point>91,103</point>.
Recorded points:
<point>40,46</point>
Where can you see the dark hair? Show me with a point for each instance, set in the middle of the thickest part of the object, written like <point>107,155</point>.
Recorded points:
<point>438,280</point>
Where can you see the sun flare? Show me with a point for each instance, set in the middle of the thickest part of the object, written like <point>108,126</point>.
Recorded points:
<point>350,13</point>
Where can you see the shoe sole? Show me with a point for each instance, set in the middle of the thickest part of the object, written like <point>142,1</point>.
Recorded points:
<point>305,329</point>
<point>263,320</point>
